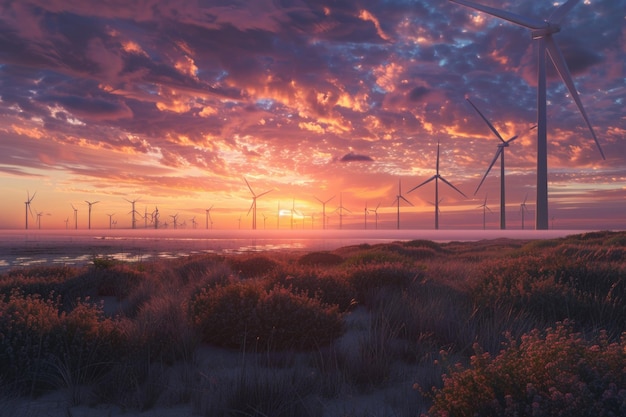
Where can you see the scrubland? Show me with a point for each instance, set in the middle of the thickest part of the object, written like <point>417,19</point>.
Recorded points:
<point>489,328</point>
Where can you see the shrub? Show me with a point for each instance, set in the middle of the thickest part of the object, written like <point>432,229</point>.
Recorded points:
<point>41,347</point>
<point>252,266</point>
<point>244,313</point>
<point>330,287</point>
<point>551,373</point>
<point>369,279</point>
<point>320,259</point>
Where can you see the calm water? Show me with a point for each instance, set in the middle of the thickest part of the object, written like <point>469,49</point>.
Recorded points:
<point>19,248</point>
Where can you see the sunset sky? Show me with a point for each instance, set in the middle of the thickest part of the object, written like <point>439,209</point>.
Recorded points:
<point>174,102</point>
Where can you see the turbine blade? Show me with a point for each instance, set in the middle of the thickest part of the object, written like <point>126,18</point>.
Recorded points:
<point>493,129</point>
<point>263,193</point>
<point>250,209</point>
<point>424,183</point>
<point>502,14</point>
<point>560,12</point>
<point>495,158</point>
<point>447,182</point>
<point>250,188</point>
<point>561,66</point>
<point>402,197</point>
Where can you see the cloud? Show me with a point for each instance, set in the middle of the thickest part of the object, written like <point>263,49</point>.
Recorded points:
<point>353,157</point>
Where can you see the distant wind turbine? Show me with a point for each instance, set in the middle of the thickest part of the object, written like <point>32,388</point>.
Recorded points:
<point>208,217</point>
<point>341,208</point>
<point>111,220</point>
<point>67,221</point>
<point>29,199</point>
<point>398,198</point>
<point>133,211</point>
<point>155,216</point>
<point>365,213</point>
<point>485,208</point>
<point>437,177</point>
<point>253,205</point>
<point>90,203</point>
<point>376,215</point>
<point>542,31</point>
<point>324,210</point>
<point>522,209</point>
<point>75,216</point>
<point>175,220</point>
<point>499,154</point>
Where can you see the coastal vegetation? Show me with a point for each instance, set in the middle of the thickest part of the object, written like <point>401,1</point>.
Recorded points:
<point>415,328</point>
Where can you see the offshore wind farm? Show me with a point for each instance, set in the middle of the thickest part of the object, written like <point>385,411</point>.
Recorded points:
<point>330,127</point>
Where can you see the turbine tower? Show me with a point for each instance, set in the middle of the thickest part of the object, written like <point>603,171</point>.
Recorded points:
<point>253,205</point>
<point>90,203</point>
<point>376,215</point>
<point>341,208</point>
<point>485,208</point>
<point>400,197</point>
<point>29,199</point>
<point>522,209</point>
<point>208,217</point>
<point>111,220</point>
<point>324,210</point>
<point>133,211</point>
<point>542,31</point>
<point>499,154</point>
<point>437,177</point>
<point>75,216</point>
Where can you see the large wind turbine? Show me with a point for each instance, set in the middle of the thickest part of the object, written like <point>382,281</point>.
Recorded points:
<point>29,199</point>
<point>499,154</point>
<point>542,31</point>
<point>90,203</point>
<point>437,177</point>
<point>253,205</point>
<point>324,210</point>
<point>398,198</point>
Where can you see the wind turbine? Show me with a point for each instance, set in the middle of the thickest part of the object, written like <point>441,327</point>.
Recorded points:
<point>208,217</point>
<point>29,199</point>
<point>75,216</point>
<point>194,223</point>
<point>522,209</point>
<point>485,208</point>
<point>341,208</point>
<point>111,220</point>
<point>437,177</point>
<point>324,210</point>
<point>499,154</point>
<point>133,211</point>
<point>253,205</point>
<point>376,214</point>
<point>542,31</point>
<point>175,220</point>
<point>67,221</point>
<point>398,198</point>
<point>90,203</point>
<point>155,216</point>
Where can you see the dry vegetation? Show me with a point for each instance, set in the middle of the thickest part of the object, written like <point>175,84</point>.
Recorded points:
<point>493,328</point>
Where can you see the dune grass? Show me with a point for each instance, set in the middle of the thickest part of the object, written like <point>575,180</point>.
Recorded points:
<point>483,328</point>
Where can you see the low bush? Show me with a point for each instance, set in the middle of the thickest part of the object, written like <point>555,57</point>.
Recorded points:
<point>252,266</point>
<point>244,313</point>
<point>320,259</point>
<point>555,372</point>
<point>367,280</point>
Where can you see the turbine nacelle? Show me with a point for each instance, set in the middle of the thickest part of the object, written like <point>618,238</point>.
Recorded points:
<point>548,30</point>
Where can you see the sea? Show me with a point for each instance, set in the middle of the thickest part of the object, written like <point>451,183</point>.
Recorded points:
<point>27,248</point>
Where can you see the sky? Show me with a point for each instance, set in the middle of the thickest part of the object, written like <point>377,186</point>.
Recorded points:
<point>172,103</point>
